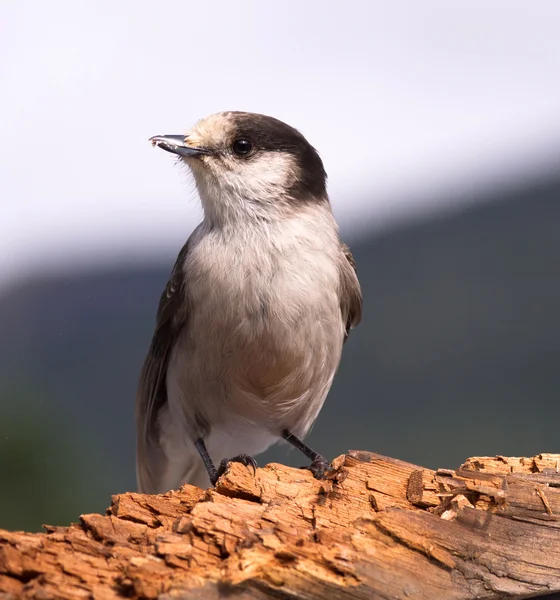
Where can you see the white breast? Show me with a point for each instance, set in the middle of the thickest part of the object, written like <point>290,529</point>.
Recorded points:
<point>264,333</point>
<point>282,269</point>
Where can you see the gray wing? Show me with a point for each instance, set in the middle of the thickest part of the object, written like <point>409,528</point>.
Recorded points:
<point>351,293</point>
<point>152,391</point>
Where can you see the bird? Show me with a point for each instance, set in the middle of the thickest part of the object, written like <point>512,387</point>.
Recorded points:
<point>251,325</point>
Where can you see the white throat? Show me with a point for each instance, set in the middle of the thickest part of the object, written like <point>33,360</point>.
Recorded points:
<point>254,190</point>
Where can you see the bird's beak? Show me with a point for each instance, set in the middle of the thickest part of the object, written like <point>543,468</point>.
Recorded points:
<point>177,145</point>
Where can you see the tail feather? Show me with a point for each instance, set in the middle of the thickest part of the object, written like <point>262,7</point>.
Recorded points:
<point>156,473</point>
<point>196,474</point>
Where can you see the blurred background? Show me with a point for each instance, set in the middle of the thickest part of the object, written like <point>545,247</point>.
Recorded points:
<point>439,125</point>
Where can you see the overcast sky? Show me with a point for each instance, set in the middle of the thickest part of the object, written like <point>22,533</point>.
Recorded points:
<point>401,98</point>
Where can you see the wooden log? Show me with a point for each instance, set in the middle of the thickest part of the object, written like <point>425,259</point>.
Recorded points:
<point>378,528</point>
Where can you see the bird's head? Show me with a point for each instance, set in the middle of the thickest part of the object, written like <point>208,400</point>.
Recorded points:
<point>247,164</point>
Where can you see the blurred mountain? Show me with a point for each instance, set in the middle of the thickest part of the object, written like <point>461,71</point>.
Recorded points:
<point>458,354</point>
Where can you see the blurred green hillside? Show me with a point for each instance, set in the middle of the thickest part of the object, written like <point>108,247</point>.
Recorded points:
<point>458,354</point>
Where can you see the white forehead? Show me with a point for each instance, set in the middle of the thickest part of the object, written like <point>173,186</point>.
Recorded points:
<point>214,130</point>
<point>265,170</point>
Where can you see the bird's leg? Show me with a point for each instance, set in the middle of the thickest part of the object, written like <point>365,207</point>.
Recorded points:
<point>214,473</point>
<point>210,468</point>
<point>319,466</point>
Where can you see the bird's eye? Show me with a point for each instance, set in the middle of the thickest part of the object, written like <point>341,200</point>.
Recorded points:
<point>242,147</point>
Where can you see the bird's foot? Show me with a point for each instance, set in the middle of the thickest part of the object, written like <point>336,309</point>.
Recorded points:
<point>320,467</point>
<point>244,459</point>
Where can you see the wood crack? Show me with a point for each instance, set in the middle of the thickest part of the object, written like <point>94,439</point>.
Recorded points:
<point>381,528</point>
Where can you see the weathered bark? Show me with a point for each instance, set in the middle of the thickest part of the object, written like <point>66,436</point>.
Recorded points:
<point>380,528</point>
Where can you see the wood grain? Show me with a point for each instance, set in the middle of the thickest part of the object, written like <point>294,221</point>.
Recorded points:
<point>380,528</point>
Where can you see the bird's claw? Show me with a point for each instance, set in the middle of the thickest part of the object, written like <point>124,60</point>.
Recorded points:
<point>320,467</point>
<point>244,459</point>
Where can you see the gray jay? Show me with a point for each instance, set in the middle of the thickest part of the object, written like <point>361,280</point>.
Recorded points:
<point>251,325</point>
